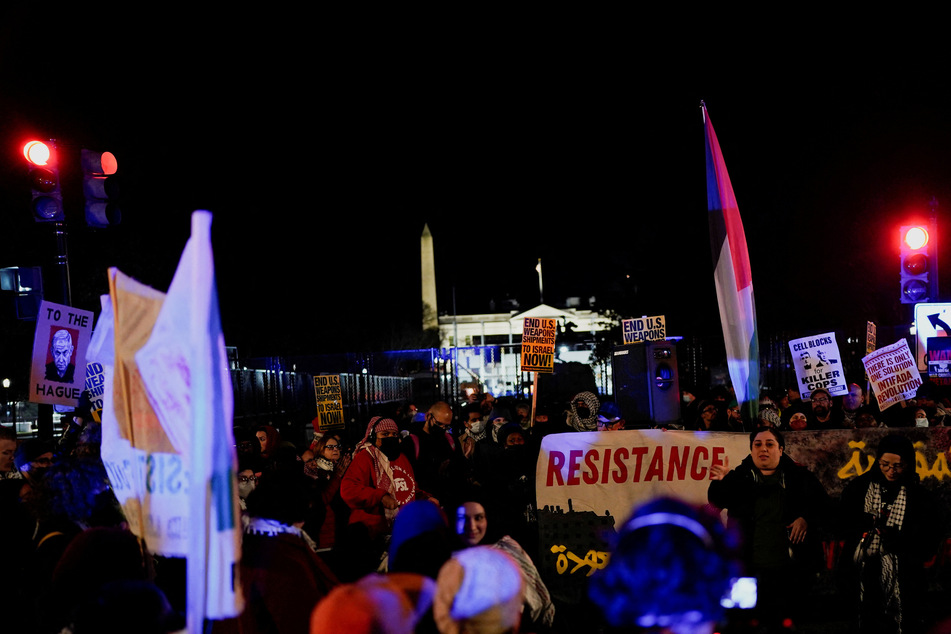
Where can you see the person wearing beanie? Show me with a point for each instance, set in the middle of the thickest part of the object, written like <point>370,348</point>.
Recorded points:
<point>609,417</point>
<point>478,590</point>
<point>396,603</point>
<point>890,528</point>
<point>671,565</point>
<point>824,414</point>
<point>420,542</point>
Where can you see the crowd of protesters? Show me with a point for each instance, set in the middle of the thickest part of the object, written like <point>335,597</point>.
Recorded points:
<point>425,521</point>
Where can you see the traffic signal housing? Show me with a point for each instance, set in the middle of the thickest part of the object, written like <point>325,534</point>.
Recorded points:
<point>45,187</point>
<point>919,263</point>
<point>100,188</point>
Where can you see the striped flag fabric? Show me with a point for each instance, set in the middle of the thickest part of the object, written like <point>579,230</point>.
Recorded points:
<point>734,281</point>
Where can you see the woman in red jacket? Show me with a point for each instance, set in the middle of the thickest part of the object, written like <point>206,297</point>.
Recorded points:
<point>378,482</point>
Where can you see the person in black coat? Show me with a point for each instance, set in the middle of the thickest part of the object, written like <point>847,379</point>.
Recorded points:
<point>777,504</point>
<point>890,528</point>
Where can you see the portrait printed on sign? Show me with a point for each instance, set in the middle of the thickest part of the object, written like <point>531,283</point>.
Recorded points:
<point>61,360</point>
<point>818,365</point>
<point>59,348</point>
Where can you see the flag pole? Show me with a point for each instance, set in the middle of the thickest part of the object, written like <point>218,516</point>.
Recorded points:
<point>538,267</point>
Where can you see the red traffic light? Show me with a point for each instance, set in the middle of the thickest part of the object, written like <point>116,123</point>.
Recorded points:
<point>916,237</point>
<point>919,274</point>
<point>37,153</point>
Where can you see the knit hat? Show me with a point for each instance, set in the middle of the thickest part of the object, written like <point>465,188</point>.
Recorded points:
<point>376,604</point>
<point>609,412</point>
<point>478,590</point>
<point>899,445</point>
<point>507,430</point>
<point>420,518</point>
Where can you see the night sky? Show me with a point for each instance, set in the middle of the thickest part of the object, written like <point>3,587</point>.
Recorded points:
<point>322,154</point>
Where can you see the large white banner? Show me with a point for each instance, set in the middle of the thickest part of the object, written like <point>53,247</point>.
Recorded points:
<point>610,472</point>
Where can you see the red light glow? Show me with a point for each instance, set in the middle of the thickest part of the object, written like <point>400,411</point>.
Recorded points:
<point>109,163</point>
<point>37,153</point>
<point>916,237</point>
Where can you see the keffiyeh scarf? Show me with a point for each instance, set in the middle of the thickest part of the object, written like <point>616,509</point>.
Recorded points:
<point>886,516</point>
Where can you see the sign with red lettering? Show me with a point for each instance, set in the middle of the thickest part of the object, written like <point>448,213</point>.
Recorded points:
<point>610,472</point>
<point>893,373</point>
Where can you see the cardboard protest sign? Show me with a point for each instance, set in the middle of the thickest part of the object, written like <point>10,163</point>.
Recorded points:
<point>59,347</point>
<point>893,373</point>
<point>871,334</point>
<point>538,344</point>
<point>818,364</point>
<point>644,329</point>
<point>329,402</point>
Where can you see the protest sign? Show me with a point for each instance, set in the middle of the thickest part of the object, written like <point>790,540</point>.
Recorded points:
<point>587,484</point>
<point>939,360</point>
<point>329,402</point>
<point>644,329</point>
<point>932,321</point>
<point>892,373</point>
<point>818,365</point>
<point>59,347</point>
<point>95,386</point>
<point>538,344</point>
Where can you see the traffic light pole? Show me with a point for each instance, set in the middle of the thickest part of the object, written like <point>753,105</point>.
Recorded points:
<point>62,262</point>
<point>933,211</point>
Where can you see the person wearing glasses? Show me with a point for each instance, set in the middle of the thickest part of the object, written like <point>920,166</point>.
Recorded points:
<point>710,417</point>
<point>329,514</point>
<point>891,530</point>
<point>824,415</point>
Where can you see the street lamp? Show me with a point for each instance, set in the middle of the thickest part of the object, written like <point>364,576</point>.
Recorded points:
<point>6,399</point>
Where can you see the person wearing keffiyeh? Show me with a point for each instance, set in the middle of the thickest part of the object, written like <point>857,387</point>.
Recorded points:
<point>378,482</point>
<point>890,528</point>
<point>584,412</point>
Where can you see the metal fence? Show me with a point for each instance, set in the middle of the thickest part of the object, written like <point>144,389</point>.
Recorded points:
<point>287,400</point>
<point>373,382</point>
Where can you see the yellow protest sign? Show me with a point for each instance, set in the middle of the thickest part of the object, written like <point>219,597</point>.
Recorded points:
<point>644,329</point>
<point>538,344</point>
<point>329,402</point>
